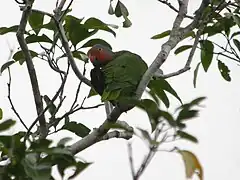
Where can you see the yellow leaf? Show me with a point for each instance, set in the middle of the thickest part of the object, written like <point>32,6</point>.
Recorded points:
<point>192,165</point>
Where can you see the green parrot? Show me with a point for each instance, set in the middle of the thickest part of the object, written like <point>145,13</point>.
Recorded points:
<point>115,75</point>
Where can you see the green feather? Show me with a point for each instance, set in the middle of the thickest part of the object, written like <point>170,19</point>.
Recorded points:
<point>122,76</point>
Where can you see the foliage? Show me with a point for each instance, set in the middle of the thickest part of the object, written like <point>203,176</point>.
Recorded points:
<point>34,161</point>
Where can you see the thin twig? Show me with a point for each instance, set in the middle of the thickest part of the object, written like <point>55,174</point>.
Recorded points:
<point>10,100</point>
<point>79,108</point>
<point>46,108</point>
<point>190,57</point>
<point>65,11</point>
<point>78,89</point>
<point>9,91</point>
<point>65,44</point>
<point>130,158</point>
<point>173,8</point>
<point>20,2</point>
<point>70,56</point>
<point>149,156</point>
<point>30,67</point>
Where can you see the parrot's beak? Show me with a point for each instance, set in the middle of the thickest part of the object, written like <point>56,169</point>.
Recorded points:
<point>91,57</point>
<point>93,60</point>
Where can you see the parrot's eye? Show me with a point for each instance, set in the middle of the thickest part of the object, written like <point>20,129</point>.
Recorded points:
<point>99,49</point>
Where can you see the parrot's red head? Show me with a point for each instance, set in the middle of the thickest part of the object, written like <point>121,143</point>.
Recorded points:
<point>100,55</point>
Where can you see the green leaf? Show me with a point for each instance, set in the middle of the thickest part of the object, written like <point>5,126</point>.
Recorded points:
<point>212,30</point>
<point>236,19</point>
<point>41,144</point>
<point>162,84</point>
<point>110,9</point>
<point>92,42</point>
<point>151,108</point>
<point>227,23</point>
<point>169,118</point>
<point>235,34</point>
<point>6,65</point>
<point>145,134</point>
<point>189,34</point>
<point>237,44</point>
<point>78,128</point>
<point>118,12</point>
<point>161,35</point>
<point>73,18</point>
<point>19,56</point>
<point>80,55</point>
<point>96,24</point>
<point>223,24</point>
<point>224,71</point>
<point>34,38</point>
<point>182,48</point>
<point>193,103</point>
<point>75,31</point>
<point>121,9</point>
<point>186,114</point>
<point>1,113</point>
<point>191,164</point>
<point>6,124</point>
<point>13,144</point>
<point>36,171</point>
<point>36,21</point>
<point>154,96</point>
<point>195,75</point>
<point>187,136</point>
<point>50,25</point>
<point>126,23</point>
<point>52,108</point>
<point>64,162</point>
<point>197,101</point>
<point>206,53</point>
<point>80,167</point>
<point>63,141</point>
<point>162,95</point>
<point>5,30</point>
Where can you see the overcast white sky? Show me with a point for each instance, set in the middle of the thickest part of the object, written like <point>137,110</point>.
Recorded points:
<point>217,127</point>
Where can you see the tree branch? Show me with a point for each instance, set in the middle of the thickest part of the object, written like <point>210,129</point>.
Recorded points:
<point>108,107</point>
<point>67,48</point>
<point>30,67</point>
<point>117,134</point>
<point>190,57</point>
<point>116,112</point>
<point>64,40</point>
<point>173,40</point>
<point>177,34</point>
<point>94,137</point>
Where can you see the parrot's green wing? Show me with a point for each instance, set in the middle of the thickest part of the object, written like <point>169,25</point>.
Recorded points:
<point>122,76</point>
